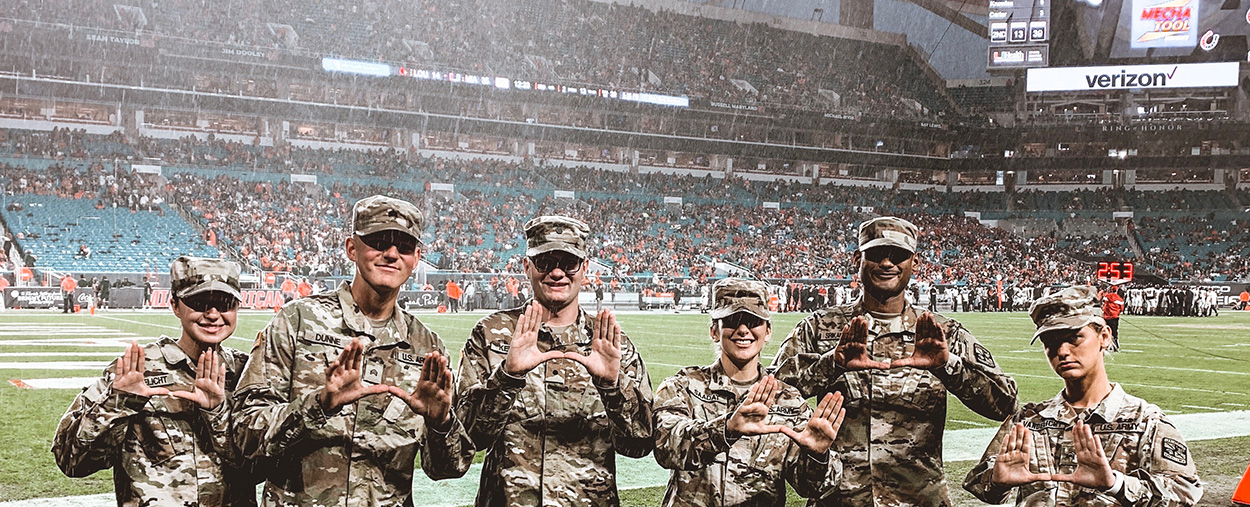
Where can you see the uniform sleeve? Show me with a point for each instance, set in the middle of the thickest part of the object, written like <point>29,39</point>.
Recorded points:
<point>217,420</point>
<point>797,364</point>
<point>629,405</point>
<point>979,480</point>
<point>446,454</point>
<point>811,475</point>
<point>681,441</point>
<point>89,436</point>
<point>266,420</point>
<point>975,378</point>
<point>484,395</point>
<point>1165,472</point>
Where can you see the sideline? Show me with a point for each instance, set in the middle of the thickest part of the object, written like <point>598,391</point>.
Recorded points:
<point>959,445</point>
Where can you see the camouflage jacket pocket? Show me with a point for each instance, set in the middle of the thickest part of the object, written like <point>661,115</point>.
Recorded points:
<point>910,389</point>
<point>158,438</point>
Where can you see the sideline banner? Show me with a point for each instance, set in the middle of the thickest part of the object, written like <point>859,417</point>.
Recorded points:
<point>32,297</point>
<point>44,297</point>
<point>420,298</point>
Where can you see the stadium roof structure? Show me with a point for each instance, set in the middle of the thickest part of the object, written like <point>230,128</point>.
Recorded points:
<point>954,12</point>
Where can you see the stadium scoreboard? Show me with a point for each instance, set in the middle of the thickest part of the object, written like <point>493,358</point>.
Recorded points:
<point>1091,33</point>
<point>1019,33</point>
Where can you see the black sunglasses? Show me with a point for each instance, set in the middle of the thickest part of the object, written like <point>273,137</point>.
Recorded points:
<point>895,254</point>
<point>203,302</point>
<point>736,320</point>
<point>384,240</point>
<point>569,264</point>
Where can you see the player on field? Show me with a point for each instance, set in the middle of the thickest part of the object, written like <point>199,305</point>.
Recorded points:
<point>1112,305</point>
<point>551,392</point>
<point>160,415</point>
<point>344,387</point>
<point>894,365</point>
<point>1092,444</point>
<point>732,435</point>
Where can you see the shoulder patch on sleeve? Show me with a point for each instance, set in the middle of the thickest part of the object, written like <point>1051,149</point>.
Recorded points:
<point>983,355</point>
<point>1174,451</point>
<point>260,341</point>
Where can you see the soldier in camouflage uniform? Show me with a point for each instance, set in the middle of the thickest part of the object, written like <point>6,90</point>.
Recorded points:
<point>343,387</point>
<point>160,415</point>
<point>1092,444</point>
<point>730,434</point>
<point>553,393</point>
<point>894,366</point>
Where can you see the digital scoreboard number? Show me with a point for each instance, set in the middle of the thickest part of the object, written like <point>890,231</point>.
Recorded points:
<point>1019,34</point>
<point>1115,271</point>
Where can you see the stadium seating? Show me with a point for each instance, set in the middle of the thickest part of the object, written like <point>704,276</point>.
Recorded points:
<point>276,225</point>
<point>571,41</point>
<point>118,239</point>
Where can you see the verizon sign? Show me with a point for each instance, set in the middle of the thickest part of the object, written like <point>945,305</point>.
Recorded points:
<point>1122,77</point>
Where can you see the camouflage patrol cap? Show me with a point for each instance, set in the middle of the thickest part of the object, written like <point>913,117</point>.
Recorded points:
<point>189,276</point>
<point>1071,308</point>
<point>888,231</point>
<point>733,295</point>
<point>381,213</point>
<point>553,232</point>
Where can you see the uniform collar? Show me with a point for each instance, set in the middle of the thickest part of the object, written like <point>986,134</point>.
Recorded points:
<point>718,380</point>
<point>173,354</point>
<point>355,320</point>
<point>583,327</point>
<point>909,316</point>
<point>1105,409</point>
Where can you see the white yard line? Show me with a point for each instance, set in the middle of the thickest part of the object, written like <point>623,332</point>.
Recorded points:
<point>141,323</point>
<point>78,342</point>
<point>56,365</point>
<point>957,445</point>
<point>59,354</point>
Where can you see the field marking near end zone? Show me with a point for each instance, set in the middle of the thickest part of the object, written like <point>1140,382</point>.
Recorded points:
<point>957,445</point>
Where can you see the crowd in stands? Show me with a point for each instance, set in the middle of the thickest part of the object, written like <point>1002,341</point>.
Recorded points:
<point>565,41</point>
<point>1199,247</point>
<point>285,227</point>
<point>276,225</point>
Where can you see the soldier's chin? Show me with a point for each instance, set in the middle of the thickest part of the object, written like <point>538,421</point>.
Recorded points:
<point>884,293</point>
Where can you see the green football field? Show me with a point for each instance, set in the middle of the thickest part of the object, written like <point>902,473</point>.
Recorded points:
<point>1184,365</point>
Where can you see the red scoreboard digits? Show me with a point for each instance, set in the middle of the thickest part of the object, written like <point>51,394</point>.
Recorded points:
<point>1115,271</point>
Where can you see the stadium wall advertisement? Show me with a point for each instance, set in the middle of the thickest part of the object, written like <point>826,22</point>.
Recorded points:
<point>1229,293</point>
<point>1123,77</point>
<point>249,298</point>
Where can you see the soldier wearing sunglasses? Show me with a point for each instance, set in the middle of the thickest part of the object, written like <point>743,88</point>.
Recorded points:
<point>733,435</point>
<point>894,365</point>
<point>550,391</point>
<point>160,415</point>
<point>344,387</point>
